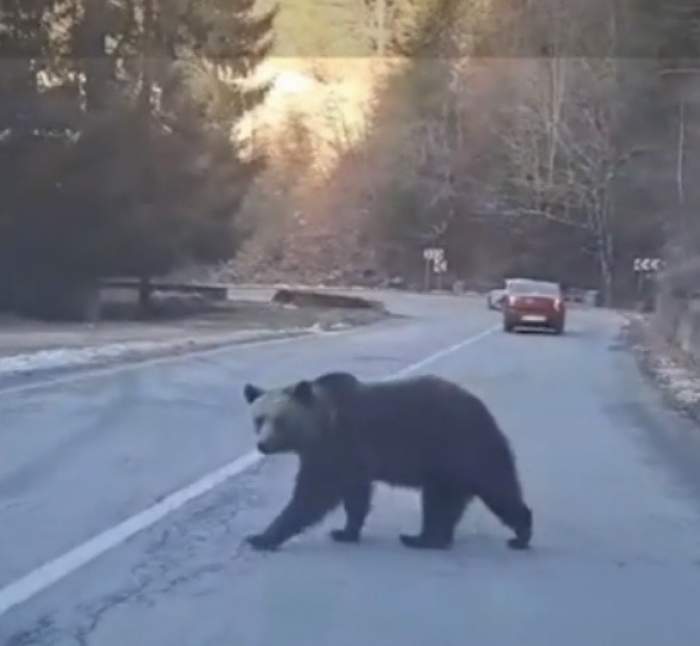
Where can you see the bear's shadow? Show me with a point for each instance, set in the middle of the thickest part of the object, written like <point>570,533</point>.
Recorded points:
<point>468,546</point>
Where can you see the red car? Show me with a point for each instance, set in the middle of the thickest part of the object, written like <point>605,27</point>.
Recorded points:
<point>532,303</point>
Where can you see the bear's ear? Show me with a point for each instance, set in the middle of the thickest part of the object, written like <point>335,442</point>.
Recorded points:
<point>251,393</point>
<point>303,392</point>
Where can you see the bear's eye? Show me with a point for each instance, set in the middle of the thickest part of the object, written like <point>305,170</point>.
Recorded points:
<point>259,421</point>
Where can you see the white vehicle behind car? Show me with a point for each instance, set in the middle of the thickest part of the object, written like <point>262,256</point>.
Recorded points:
<point>495,298</point>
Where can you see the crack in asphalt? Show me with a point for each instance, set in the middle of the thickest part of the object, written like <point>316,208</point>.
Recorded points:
<point>97,612</point>
<point>38,634</point>
<point>168,563</point>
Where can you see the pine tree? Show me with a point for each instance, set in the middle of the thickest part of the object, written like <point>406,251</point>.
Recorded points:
<point>146,171</point>
<point>32,121</point>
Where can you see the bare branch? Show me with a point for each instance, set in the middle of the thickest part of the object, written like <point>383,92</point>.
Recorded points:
<point>677,71</point>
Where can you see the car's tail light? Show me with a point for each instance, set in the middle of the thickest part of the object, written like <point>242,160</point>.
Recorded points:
<point>557,304</point>
<point>512,301</point>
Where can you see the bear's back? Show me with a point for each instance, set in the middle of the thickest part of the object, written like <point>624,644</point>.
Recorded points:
<point>418,410</point>
<point>424,424</point>
<point>402,429</point>
<point>337,383</point>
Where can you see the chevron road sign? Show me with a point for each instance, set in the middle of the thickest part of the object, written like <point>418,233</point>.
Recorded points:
<point>647,264</point>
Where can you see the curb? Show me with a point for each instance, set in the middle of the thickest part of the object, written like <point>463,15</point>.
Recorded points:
<point>135,357</point>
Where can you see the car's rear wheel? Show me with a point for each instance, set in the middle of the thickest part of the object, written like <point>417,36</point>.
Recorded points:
<point>507,325</point>
<point>558,329</point>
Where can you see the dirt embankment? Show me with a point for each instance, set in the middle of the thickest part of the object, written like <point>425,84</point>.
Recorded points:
<point>675,372</point>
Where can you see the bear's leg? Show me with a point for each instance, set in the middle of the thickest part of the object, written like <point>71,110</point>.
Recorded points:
<point>514,513</point>
<point>356,501</point>
<point>443,506</point>
<point>312,499</point>
<point>453,509</point>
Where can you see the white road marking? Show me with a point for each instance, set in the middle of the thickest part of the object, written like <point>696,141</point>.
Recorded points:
<point>442,353</point>
<point>46,575</point>
<point>53,571</point>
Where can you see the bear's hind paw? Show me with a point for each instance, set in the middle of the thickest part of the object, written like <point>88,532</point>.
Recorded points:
<point>519,543</point>
<point>345,536</point>
<point>261,543</point>
<point>421,542</point>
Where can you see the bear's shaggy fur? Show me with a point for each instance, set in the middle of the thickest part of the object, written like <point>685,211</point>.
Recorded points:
<point>424,433</point>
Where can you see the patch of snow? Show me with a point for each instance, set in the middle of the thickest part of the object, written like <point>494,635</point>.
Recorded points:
<point>71,357</point>
<point>340,325</point>
<point>64,358</point>
<point>683,383</point>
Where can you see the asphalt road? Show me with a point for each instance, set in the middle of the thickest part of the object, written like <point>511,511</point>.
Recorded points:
<point>613,479</point>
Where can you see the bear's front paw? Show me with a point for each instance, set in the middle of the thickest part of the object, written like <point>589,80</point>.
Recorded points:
<point>422,542</point>
<point>261,543</point>
<point>345,536</point>
<point>519,543</point>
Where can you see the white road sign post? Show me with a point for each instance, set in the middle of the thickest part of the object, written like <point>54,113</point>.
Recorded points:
<point>646,269</point>
<point>434,259</point>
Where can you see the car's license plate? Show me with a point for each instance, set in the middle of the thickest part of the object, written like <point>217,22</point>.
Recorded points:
<point>534,319</point>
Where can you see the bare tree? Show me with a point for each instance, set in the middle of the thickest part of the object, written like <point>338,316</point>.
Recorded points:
<point>563,154</point>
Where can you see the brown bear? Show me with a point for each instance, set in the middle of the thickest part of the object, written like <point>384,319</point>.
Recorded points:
<point>424,433</point>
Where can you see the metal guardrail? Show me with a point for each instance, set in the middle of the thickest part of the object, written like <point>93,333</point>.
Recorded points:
<point>216,292</point>
<point>303,297</point>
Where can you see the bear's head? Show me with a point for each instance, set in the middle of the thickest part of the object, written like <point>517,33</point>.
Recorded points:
<point>288,420</point>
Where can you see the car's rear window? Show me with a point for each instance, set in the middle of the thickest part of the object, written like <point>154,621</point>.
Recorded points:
<point>533,287</point>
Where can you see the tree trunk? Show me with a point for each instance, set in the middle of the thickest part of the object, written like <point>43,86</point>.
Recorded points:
<point>605,263</point>
<point>557,91</point>
<point>90,48</point>
<point>145,293</point>
<point>380,20</point>
<point>680,154</point>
